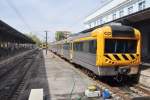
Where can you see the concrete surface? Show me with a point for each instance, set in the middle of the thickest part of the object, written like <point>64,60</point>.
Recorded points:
<point>64,80</point>
<point>36,94</point>
<point>145,75</point>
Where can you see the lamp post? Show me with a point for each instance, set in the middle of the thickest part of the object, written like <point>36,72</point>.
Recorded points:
<point>46,41</point>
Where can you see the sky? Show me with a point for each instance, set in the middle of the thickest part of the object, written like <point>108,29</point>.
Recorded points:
<point>36,16</point>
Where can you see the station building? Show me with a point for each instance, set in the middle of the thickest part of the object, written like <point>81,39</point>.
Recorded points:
<point>135,13</point>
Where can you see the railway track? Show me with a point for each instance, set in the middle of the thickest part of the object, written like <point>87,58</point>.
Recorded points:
<point>124,92</point>
<point>12,80</point>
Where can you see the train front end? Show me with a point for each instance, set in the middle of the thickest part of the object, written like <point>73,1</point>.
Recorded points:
<point>121,51</point>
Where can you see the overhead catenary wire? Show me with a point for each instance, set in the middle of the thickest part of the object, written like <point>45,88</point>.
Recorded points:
<point>19,14</point>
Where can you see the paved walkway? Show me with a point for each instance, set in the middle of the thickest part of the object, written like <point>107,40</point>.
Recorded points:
<point>64,80</point>
<point>145,74</point>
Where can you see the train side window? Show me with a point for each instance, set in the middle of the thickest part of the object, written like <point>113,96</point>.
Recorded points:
<point>92,46</point>
<point>78,46</point>
<point>86,46</point>
<point>66,46</point>
<point>81,46</point>
<point>74,46</point>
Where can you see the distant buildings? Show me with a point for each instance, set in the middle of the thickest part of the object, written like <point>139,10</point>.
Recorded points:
<point>66,33</point>
<point>115,9</point>
<point>60,35</point>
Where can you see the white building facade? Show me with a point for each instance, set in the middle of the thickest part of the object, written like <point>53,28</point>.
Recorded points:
<point>115,9</point>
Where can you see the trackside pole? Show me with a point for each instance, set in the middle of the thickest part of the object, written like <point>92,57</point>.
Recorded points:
<point>46,42</point>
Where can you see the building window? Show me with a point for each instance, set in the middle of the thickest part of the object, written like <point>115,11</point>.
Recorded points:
<point>89,25</point>
<point>103,20</point>
<point>100,21</point>
<point>92,46</point>
<point>95,23</point>
<point>106,19</point>
<point>114,16</point>
<point>121,13</point>
<point>130,10</point>
<point>92,24</point>
<point>142,5</point>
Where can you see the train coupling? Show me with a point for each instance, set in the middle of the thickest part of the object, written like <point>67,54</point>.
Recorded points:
<point>123,70</point>
<point>121,73</point>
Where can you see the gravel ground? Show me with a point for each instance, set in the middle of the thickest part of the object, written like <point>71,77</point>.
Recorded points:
<point>145,75</point>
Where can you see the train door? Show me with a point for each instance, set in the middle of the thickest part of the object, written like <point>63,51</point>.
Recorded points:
<point>71,50</point>
<point>61,49</point>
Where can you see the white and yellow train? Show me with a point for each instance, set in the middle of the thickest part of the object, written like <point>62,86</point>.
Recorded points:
<point>107,51</point>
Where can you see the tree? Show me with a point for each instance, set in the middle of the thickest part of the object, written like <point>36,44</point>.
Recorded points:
<point>34,38</point>
<point>60,35</point>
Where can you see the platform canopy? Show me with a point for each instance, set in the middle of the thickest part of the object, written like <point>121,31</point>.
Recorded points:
<point>9,34</point>
<point>127,20</point>
<point>136,17</point>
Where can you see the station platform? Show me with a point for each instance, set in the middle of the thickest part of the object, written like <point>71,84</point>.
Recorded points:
<point>145,75</point>
<point>64,81</point>
<point>59,79</point>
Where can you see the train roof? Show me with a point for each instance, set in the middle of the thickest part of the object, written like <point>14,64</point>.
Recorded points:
<point>122,30</point>
<point>117,30</point>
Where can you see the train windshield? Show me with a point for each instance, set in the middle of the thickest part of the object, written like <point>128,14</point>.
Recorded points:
<point>120,46</point>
